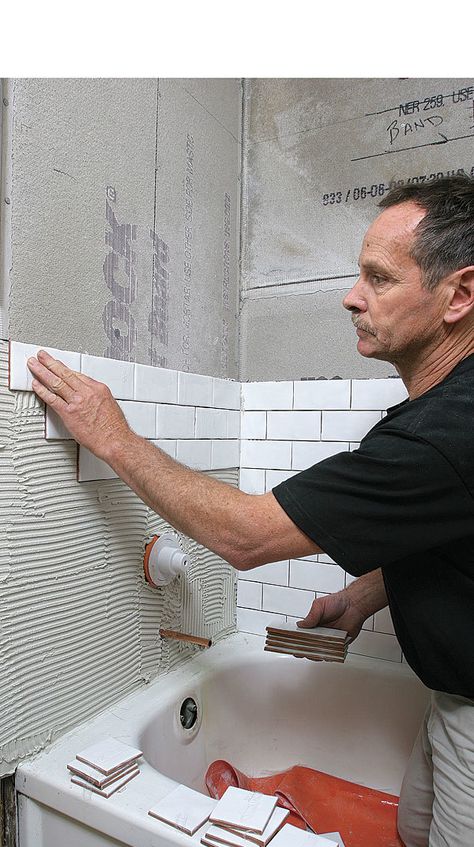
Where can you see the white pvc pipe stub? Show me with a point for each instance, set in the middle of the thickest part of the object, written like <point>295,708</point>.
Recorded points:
<point>163,560</point>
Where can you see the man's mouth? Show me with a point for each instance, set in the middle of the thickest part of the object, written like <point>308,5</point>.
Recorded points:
<point>361,327</point>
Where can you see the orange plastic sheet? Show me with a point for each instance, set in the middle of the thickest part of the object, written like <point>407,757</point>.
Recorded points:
<point>363,816</point>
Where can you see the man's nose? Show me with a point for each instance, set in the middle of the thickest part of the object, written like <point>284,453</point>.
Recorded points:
<point>354,300</point>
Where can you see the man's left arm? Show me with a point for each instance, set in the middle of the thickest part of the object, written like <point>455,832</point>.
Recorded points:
<point>245,530</point>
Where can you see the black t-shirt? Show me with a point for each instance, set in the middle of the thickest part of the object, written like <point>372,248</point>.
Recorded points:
<point>404,501</point>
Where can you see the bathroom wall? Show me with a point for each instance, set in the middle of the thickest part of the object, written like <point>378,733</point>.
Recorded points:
<point>286,427</point>
<point>119,240</point>
<point>319,154</point>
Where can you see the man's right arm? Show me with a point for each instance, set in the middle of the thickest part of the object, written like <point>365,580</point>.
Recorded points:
<point>349,609</point>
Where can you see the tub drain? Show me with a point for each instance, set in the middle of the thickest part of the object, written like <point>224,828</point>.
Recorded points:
<point>188,713</point>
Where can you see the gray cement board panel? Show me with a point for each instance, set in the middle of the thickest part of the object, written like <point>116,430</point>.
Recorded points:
<point>197,207</point>
<point>302,336</point>
<point>222,98</point>
<point>321,153</point>
<point>72,139</point>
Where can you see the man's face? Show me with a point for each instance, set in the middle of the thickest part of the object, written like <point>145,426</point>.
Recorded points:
<point>395,317</point>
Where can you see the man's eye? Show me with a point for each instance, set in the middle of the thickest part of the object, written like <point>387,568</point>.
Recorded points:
<point>378,280</point>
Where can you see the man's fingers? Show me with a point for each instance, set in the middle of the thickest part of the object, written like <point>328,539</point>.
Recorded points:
<point>55,375</point>
<point>53,400</point>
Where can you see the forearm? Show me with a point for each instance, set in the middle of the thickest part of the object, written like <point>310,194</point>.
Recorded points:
<point>368,593</point>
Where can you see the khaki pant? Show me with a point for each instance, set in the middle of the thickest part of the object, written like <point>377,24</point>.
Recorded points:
<point>437,797</point>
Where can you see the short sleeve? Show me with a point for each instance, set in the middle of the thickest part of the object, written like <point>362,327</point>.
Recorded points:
<point>395,496</point>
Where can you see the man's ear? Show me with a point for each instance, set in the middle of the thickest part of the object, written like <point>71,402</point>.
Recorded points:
<point>462,296</point>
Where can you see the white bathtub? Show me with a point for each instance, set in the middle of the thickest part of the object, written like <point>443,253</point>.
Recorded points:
<point>262,712</point>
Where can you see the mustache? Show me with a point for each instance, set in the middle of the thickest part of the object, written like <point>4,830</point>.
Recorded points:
<point>359,324</point>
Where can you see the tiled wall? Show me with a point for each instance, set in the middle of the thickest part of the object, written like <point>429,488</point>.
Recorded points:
<point>285,428</point>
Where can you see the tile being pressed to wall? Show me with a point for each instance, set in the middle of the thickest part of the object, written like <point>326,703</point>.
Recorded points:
<point>155,385</point>
<point>54,427</point>
<point>20,376</point>
<point>119,376</point>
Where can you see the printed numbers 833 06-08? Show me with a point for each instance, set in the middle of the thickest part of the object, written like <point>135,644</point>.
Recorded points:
<point>355,194</point>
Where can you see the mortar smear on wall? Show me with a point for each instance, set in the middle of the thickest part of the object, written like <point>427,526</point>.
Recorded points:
<point>79,627</point>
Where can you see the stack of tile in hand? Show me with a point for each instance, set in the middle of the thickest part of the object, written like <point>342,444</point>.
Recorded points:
<point>319,643</point>
<point>105,767</point>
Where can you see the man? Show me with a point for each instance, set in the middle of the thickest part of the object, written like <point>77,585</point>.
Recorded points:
<point>398,512</point>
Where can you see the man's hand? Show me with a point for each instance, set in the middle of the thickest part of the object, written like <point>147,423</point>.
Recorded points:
<point>85,406</point>
<point>349,609</point>
<point>337,611</point>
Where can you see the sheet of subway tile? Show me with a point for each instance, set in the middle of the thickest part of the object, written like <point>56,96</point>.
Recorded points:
<point>249,594</point>
<point>316,576</point>
<point>195,389</point>
<point>155,385</point>
<point>275,573</point>
<point>109,789</point>
<point>255,622</point>
<point>244,809</point>
<point>378,645</point>
<point>225,454</point>
<point>184,808</point>
<point>233,424</point>
<point>141,417</point>
<point>108,755</point>
<point>377,393</point>
<point>267,395</point>
<point>54,427</point>
<point>20,376</point>
<point>287,601</point>
<point>168,446</point>
<point>308,453</point>
<point>347,426</point>
<point>211,423</point>
<point>226,394</point>
<point>119,376</point>
<point>251,480</point>
<point>233,837</point>
<point>323,394</point>
<point>253,425</point>
<point>266,454</point>
<point>294,425</point>
<point>100,780</point>
<point>174,421</point>
<point>91,468</point>
<point>195,454</point>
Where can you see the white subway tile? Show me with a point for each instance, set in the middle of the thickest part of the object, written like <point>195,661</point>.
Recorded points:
<point>119,376</point>
<point>316,576</point>
<point>55,429</point>
<point>347,426</point>
<point>323,557</point>
<point>252,480</point>
<point>250,620</point>
<point>287,601</point>
<point>383,621</point>
<point>195,454</point>
<point>354,445</point>
<point>294,425</point>
<point>377,393</point>
<point>350,578</point>
<point>174,421</point>
<point>249,594</point>
<point>273,478</point>
<point>91,468</point>
<point>254,425</point>
<point>141,417</point>
<point>267,395</point>
<point>369,623</point>
<point>233,424</point>
<point>211,423</point>
<point>168,446</point>
<point>20,376</point>
<point>226,394</point>
<point>377,645</point>
<point>323,394</point>
<point>225,454</point>
<point>195,389</point>
<point>308,453</point>
<point>155,385</point>
<point>275,573</point>
<point>266,454</point>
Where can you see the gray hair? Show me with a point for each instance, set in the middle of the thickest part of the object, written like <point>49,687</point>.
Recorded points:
<point>444,238</point>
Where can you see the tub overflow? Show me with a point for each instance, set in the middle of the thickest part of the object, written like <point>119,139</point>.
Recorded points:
<point>188,713</point>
